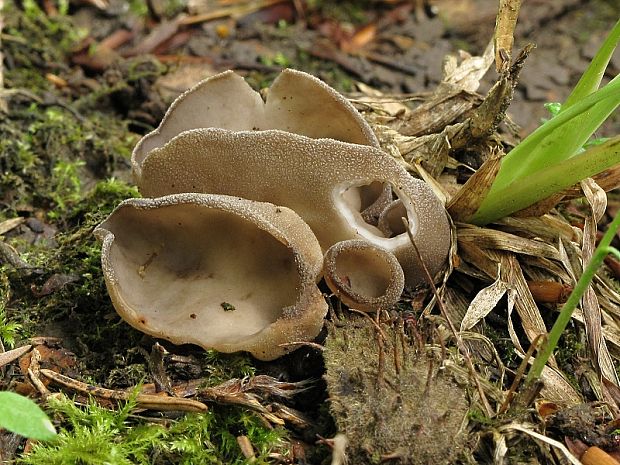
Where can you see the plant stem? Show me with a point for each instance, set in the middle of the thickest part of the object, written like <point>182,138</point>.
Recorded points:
<point>563,319</point>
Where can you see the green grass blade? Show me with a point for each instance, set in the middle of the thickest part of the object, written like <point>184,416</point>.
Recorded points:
<point>591,78</point>
<point>546,144</point>
<point>567,140</point>
<point>538,186</point>
<point>564,317</point>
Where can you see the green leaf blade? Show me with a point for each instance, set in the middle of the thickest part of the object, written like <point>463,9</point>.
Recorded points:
<point>559,138</point>
<point>538,186</point>
<point>591,78</point>
<point>22,416</point>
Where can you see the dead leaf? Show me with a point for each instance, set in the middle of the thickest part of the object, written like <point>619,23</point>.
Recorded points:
<point>483,304</point>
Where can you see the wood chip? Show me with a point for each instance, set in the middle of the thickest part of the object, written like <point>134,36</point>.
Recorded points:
<point>12,223</point>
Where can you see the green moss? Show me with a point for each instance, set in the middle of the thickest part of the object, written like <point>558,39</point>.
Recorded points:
<point>95,435</point>
<point>79,311</point>
<point>219,367</point>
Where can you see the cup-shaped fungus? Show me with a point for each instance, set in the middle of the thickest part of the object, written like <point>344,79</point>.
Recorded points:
<point>363,275</point>
<point>217,271</point>
<point>296,102</point>
<point>328,183</point>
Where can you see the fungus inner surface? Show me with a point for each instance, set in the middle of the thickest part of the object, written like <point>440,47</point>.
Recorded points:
<point>203,271</point>
<point>354,198</point>
<point>365,273</point>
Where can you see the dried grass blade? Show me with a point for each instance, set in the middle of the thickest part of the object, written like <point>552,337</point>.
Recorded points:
<point>468,199</point>
<point>528,429</point>
<point>512,300</point>
<point>566,260</point>
<point>545,269</point>
<point>546,227</point>
<point>556,388</point>
<point>531,319</point>
<point>592,313</point>
<point>470,71</point>
<point>494,239</point>
<point>478,258</point>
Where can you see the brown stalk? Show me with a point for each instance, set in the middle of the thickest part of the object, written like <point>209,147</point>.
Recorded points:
<point>504,32</point>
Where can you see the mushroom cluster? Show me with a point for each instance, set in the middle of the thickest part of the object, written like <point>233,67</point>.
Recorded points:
<point>243,198</point>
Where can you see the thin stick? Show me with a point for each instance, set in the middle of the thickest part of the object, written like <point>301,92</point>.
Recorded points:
<point>148,401</point>
<point>459,342</point>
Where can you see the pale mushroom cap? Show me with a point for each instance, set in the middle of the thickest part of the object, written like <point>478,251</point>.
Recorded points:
<point>320,179</point>
<point>216,271</point>
<point>297,102</point>
<point>363,275</point>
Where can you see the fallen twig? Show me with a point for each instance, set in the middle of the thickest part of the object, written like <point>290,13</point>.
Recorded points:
<point>225,12</point>
<point>147,401</point>
<point>10,355</point>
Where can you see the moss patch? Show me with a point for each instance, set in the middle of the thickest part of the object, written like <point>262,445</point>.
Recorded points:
<point>415,415</point>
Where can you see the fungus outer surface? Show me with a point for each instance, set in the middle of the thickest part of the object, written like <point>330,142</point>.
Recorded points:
<point>322,180</point>
<point>297,102</point>
<point>216,271</point>
<point>363,275</point>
